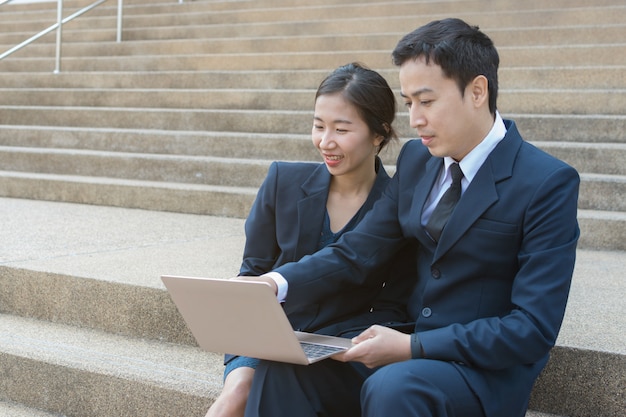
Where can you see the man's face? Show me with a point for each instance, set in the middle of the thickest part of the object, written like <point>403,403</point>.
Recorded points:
<point>444,119</point>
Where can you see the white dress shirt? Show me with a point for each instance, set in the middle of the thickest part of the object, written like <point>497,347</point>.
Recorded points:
<point>470,165</point>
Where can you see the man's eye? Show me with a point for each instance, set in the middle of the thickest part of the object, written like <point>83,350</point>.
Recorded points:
<point>425,102</point>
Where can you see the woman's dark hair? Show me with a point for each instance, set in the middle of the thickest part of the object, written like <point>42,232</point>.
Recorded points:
<point>462,51</point>
<point>369,93</point>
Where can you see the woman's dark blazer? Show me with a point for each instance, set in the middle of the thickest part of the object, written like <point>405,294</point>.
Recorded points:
<point>285,224</point>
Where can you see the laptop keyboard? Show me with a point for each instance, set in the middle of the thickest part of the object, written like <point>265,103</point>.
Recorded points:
<point>314,351</point>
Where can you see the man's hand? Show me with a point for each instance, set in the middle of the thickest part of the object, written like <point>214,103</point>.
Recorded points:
<point>378,346</point>
<point>267,280</point>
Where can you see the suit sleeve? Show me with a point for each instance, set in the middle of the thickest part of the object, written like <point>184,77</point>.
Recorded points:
<point>261,247</point>
<point>346,265</point>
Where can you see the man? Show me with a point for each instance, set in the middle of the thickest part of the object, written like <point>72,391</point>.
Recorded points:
<point>493,282</point>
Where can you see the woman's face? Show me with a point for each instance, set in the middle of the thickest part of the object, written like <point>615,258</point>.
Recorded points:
<point>343,138</point>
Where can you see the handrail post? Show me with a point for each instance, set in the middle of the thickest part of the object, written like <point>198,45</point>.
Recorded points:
<point>57,68</point>
<point>58,26</point>
<point>119,20</point>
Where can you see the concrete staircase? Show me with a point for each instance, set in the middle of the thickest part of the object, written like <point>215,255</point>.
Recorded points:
<point>142,158</point>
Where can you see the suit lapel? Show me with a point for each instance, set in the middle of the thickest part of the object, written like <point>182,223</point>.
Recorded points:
<point>420,195</point>
<point>312,206</point>
<point>311,210</point>
<point>477,198</point>
<point>482,192</point>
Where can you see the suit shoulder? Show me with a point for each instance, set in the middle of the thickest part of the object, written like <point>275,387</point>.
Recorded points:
<point>532,159</point>
<point>412,153</point>
<point>541,161</point>
<point>293,170</point>
<point>413,147</point>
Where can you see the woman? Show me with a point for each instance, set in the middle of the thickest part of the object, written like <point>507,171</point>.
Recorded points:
<point>302,207</point>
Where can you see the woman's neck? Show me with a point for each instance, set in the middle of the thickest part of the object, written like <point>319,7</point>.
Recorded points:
<point>346,195</point>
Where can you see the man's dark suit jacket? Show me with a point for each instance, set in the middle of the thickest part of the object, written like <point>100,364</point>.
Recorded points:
<point>491,294</point>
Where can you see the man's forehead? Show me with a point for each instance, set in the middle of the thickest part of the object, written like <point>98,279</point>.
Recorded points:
<point>419,78</point>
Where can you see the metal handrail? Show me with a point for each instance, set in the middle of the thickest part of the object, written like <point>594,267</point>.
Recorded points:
<point>59,25</point>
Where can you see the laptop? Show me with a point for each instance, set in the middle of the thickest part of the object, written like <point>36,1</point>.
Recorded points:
<point>245,318</point>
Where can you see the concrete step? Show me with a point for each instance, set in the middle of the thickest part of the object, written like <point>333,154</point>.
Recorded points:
<point>601,158</point>
<point>111,285</point>
<point>576,55</point>
<point>36,8</point>
<point>502,15</point>
<point>166,6</point>
<point>552,78</point>
<point>149,195</point>
<point>509,37</point>
<point>81,372</point>
<point>601,229</point>
<point>561,101</point>
<point>514,56</point>
<point>603,192</point>
<point>10,409</point>
<point>363,24</point>
<point>586,128</point>
<point>535,32</point>
<point>577,128</point>
<point>598,191</point>
<point>207,170</point>
<point>210,143</point>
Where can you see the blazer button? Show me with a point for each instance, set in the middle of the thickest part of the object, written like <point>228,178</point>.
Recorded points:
<point>426,312</point>
<point>435,273</point>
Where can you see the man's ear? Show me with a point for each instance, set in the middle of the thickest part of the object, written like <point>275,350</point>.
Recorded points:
<point>479,90</point>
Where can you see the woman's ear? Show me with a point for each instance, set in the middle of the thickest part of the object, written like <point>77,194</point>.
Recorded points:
<point>378,139</point>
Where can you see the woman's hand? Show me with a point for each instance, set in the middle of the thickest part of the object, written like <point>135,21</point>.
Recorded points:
<point>267,280</point>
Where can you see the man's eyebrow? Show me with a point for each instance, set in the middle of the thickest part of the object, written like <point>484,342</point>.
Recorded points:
<point>417,92</point>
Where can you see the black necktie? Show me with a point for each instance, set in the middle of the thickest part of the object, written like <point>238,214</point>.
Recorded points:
<point>444,208</point>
